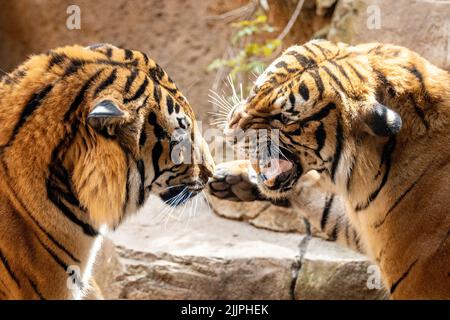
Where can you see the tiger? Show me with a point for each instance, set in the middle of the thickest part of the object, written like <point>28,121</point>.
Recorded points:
<point>362,153</point>
<point>87,135</point>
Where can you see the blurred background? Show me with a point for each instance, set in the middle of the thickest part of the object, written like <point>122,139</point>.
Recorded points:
<point>258,251</point>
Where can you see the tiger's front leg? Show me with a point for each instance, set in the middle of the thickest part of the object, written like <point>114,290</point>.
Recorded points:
<point>232,181</point>
<point>324,211</point>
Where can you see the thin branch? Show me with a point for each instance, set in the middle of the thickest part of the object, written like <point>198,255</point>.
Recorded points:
<point>292,20</point>
<point>234,14</point>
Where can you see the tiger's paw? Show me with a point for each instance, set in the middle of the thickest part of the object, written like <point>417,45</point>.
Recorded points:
<point>232,181</point>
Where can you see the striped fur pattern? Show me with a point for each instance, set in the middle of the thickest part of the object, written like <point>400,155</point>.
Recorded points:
<point>374,121</point>
<point>323,212</point>
<point>86,137</point>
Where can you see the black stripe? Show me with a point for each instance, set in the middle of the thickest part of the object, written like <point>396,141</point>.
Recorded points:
<point>56,59</point>
<point>139,92</point>
<point>357,241</point>
<point>159,131</point>
<point>128,54</point>
<point>16,76</point>
<point>77,64</point>
<point>36,289</point>
<point>385,158</point>
<point>130,80</point>
<point>404,275</point>
<point>157,93</point>
<point>413,70</point>
<point>106,83</point>
<point>169,102</point>
<point>326,212</point>
<point>358,74</point>
<point>318,80</point>
<point>156,154</point>
<point>146,59</point>
<point>58,176</point>
<point>8,268</point>
<point>382,77</point>
<point>57,156</point>
<point>322,50</point>
<point>320,137</point>
<point>182,123</point>
<point>310,51</point>
<point>176,175</point>
<point>142,137</point>
<point>292,99</point>
<point>376,49</point>
<point>342,70</point>
<point>141,170</point>
<point>304,91</point>
<point>281,65</point>
<point>335,79</point>
<point>156,73</point>
<point>338,149</point>
<point>74,66</point>
<point>386,86</point>
<point>80,96</point>
<point>419,112</point>
<point>399,199</point>
<point>53,254</point>
<point>109,52</point>
<point>322,113</point>
<point>34,102</point>
<point>55,197</point>
<point>334,233</point>
<point>304,61</point>
<point>350,173</point>
<point>36,222</point>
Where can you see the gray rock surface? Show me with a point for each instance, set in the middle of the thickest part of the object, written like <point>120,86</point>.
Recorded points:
<point>203,256</point>
<point>331,272</point>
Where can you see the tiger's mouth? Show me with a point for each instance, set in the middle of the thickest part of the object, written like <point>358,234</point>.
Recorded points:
<point>179,195</point>
<point>279,174</point>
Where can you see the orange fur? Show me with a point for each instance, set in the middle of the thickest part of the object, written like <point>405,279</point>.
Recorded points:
<point>395,182</point>
<point>65,174</point>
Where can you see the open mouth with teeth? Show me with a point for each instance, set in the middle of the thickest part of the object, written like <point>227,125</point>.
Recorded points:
<point>279,173</point>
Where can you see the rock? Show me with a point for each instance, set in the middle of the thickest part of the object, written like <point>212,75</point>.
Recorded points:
<point>329,271</point>
<point>204,257</point>
<point>179,256</point>
<point>260,214</point>
<point>165,276</point>
<point>278,218</point>
<point>422,26</point>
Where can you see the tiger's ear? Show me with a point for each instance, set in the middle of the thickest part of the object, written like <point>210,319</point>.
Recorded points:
<point>106,116</point>
<point>382,121</point>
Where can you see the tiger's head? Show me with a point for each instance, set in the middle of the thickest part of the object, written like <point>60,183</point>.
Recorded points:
<point>118,130</point>
<point>323,99</point>
<point>142,111</point>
